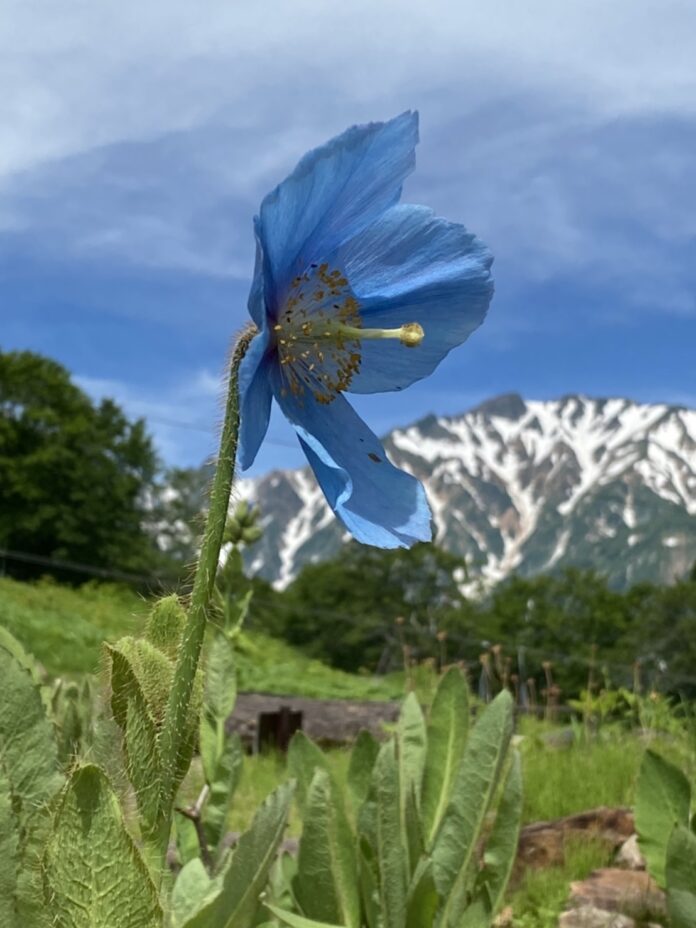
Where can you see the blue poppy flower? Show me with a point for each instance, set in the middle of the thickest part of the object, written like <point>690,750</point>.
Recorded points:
<point>355,293</point>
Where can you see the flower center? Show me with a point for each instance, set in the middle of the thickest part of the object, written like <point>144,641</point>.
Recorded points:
<point>319,331</point>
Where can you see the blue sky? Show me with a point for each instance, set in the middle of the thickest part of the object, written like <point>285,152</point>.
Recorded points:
<point>137,140</point>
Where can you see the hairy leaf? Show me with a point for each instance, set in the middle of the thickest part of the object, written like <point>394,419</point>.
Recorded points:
<point>223,785</point>
<point>191,890</point>
<point>362,760</point>
<point>94,875</point>
<point>245,876</point>
<point>326,886</point>
<point>390,838</point>
<point>27,747</point>
<point>472,792</point>
<point>448,725</point>
<point>304,757</point>
<point>500,852</point>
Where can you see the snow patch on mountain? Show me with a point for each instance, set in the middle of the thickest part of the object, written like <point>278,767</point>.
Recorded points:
<point>524,486</point>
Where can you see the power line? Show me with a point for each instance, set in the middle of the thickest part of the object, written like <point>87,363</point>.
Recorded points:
<point>76,567</point>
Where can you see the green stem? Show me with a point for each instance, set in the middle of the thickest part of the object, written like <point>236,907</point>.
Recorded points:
<point>204,581</point>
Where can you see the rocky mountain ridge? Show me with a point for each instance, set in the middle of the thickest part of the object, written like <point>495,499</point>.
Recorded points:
<point>522,485</point>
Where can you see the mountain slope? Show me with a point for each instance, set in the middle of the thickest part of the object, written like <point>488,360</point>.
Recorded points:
<point>523,486</point>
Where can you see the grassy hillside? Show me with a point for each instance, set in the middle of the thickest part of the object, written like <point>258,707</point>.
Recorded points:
<point>64,629</point>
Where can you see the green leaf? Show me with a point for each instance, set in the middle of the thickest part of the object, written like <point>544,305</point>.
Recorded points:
<point>298,921</point>
<point>245,876</point>
<point>220,689</point>
<point>390,838</point>
<point>473,789</point>
<point>191,890</point>
<point>368,877</point>
<point>9,854</point>
<point>165,625</point>
<point>94,876</point>
<point>140,739</point>
<point>423,901</point>
<point>304,757</point>
<point>223,786</point>
<point>681,878</point>
<point>410,746</point>
<point>25,660</point>
<point>500,852</point>
<point>326,886</point>
<point>447,730</point>
<point>663,797</point>
<point>27,746</point>
<point>362,761</point>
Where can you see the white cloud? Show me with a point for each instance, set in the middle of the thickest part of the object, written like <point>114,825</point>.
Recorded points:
<point>77,74</point>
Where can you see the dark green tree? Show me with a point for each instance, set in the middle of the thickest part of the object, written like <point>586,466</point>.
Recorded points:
<point>344,610</point>
<point>74,475</point>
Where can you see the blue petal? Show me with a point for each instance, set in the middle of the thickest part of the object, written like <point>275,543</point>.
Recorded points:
<point>257,302</point>
<point>255,397</point>
<point>333,193</point>
<point>412,266</point>
<point>379,504</point>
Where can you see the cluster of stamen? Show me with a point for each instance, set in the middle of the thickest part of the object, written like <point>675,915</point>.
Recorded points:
<point>315,354</point>
<point>318,334</point>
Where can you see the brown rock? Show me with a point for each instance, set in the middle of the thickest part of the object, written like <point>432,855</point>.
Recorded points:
<point>543,843</point>
<point>630,892</point>
<point>587,916</point>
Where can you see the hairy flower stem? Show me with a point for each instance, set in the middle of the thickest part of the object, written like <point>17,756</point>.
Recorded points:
<point>204,581</point>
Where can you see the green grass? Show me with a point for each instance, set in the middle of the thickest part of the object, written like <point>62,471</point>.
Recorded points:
<point>560,781</point>
<point>64,628</point>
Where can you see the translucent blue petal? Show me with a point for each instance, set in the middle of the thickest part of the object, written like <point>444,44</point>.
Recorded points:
<point>255,397</point>
<point>333,193</point>
<point>379,504</point>
<point>412,266</point>
<point>257,301</point>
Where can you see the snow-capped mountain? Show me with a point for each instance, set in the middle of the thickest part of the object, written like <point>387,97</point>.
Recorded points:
<point>525,486</point>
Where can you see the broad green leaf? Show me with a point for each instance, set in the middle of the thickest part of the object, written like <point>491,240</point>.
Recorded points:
<point>368,876</point>
<point>390,838</point>
<point>500,852</point>
<point>304,757</point>
<point>362,760</point>
<point>9,854</point>
<point>187,843</point>
<point>472,792</point>
<point>326,886</point>
<point>245,876</point>
<point>223,786</point>
<point>663,797</point>
<point>298,921</point>
<point>681,878</point>
<point>410,746</point>
<point>140,739</point>
<point>220,688</point>
<point>27,746</point>
<point>94,876</point>
<point>447,729</point>
<point>165,625</point>
<point>422,902</point>
<point>410,741</point>
<point>192,887</point>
